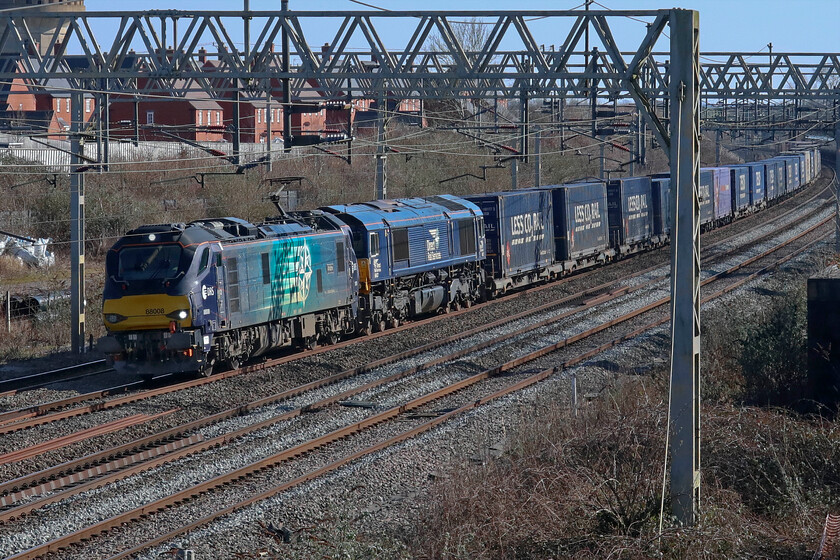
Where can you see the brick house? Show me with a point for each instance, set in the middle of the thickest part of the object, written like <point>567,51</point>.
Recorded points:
<point>194,117</point>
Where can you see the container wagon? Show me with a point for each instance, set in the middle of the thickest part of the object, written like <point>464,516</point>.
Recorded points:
<point>581,232</point>
<point>757,182</point>
<point>776,178</point>
<point>661,196</point>
<point>706,190</point>
<point>722,194</point>
<point>739,178</point>
<point>629,213</point>
<point>518,230</point>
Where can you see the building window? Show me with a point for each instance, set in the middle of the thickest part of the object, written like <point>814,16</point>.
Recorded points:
<point>218,118</point>
<point>200,118</point>
<point>67,104</point>
<point>87,105</point>
<point>259,116</point>
<point>150,117</point>
<point>208,118</point>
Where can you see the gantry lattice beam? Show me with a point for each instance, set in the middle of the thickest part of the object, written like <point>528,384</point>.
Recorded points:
<point>156,52</point>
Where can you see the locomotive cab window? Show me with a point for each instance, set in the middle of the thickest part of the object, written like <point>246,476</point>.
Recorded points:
<point>374,245</point>
<point>150,262</point>
<point>205,259</point>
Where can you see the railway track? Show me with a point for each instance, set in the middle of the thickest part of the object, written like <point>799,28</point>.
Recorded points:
<point>44,378</point>
<point>129,454</point>
<point>491,375</point>
<point>38,415</point>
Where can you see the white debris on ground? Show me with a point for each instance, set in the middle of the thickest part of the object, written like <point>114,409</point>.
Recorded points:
<point>32,252</point>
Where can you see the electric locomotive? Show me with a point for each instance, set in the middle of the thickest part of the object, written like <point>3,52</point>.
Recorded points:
<point>182,297</point>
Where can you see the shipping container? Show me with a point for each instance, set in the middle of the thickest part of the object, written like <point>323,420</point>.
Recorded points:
<point>739,178</point>
<point>809,166</point>
<point>518,229</point>
<point>792,174</point>
<point>628,201</point>
<point>779,167</point>
<point>722,193</point>
<point>705,191</point>
<point>661,195</point>
<point>803,176</point>
<point>757,183</point>
<point>580,220</point>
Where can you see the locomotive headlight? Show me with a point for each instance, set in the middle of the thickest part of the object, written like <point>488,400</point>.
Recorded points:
<point>180,314</point>
<point>115,317</point>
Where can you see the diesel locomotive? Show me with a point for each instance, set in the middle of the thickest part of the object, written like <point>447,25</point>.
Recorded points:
<point>185,297</point>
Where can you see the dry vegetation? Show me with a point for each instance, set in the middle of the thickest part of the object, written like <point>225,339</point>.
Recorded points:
<point>590,486</point>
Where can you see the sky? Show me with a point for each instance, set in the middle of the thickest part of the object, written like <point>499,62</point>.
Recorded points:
<point>725,25</point>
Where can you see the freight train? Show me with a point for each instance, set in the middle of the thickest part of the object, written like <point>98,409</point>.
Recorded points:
<point>186,297</point>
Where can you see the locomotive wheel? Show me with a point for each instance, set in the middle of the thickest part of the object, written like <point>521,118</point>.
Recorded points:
<point>233,362</point>
<point>379,325</point>
<point>310,342</point>
<point>206,370</point>
<point>365,330</point>
<point>332,338</point>
<point>456,305</point>
<point>468,303</point>
<point>394,322</point>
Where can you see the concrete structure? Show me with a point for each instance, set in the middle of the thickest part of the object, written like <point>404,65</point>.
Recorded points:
<point>43,30</point>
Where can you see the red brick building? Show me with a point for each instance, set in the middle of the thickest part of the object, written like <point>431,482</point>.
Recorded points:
<point>194,117</point>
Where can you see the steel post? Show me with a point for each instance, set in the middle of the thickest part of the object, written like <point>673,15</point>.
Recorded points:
<point>268,120</point>
<point>381,189</point>
<point>77,228</point>
<point>514,172</point>
<point>685,266</point>
<point>237,128</point>
<point>136,122</point>
<point>106,117</point>
<point>538,158</point>
<point>836,185</point>
<point>525,129</point>
<point>718,134</point>
<point>287,88</point>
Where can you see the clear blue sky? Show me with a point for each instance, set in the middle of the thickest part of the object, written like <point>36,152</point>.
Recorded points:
<point>737,25</point>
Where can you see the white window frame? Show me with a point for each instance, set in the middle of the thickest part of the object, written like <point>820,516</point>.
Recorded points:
<point>150,117</point>
<point>87,104</point>
<point>200,118</point>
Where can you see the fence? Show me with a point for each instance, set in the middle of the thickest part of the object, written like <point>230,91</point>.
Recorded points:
<point>58,161</point>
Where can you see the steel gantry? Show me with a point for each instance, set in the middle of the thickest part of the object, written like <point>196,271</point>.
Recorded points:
<point>162,52</point>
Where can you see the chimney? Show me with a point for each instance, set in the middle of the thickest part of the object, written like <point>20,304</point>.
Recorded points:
<point>324,49</point>
<point>202,55</point>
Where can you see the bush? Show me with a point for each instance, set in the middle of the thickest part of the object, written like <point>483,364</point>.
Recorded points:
<point>773,354</point>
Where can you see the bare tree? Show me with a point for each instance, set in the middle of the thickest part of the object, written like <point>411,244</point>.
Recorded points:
<point>471,35</point>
